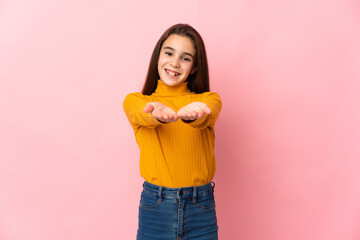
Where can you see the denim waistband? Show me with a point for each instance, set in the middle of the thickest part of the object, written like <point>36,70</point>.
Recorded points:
<point>182,192</point>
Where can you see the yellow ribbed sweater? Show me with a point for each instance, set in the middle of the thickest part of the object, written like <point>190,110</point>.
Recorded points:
<point>175,154</point>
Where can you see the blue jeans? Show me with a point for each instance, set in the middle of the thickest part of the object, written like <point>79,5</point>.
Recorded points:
<point>177,213</point>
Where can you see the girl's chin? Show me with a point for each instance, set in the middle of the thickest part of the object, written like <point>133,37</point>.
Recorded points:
<point>171,83</point>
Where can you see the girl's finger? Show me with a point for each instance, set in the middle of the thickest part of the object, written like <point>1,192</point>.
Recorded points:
<point>160,116</point>
<point>148,108</point>
<point>182,113</point>
<point>207,110</point>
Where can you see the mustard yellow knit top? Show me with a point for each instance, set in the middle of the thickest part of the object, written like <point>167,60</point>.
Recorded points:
<point>175,154</point>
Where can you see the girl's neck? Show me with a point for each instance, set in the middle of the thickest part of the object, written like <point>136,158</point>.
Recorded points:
<point>164,89</point>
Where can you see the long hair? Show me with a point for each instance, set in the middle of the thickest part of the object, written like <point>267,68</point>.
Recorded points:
<point>198,82</point>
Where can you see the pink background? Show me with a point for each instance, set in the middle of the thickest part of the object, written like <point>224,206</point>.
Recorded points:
<point>287,141</point>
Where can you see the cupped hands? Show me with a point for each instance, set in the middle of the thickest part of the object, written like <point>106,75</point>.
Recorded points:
<point>163,113</point>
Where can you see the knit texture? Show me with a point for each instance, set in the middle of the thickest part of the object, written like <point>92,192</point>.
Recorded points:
<point>175,154</point>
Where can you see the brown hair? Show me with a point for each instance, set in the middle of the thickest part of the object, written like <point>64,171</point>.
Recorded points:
<point>198,82</point>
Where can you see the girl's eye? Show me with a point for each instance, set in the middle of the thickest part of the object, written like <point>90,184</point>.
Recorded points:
<point>186,59</point>
<point>168,53</point>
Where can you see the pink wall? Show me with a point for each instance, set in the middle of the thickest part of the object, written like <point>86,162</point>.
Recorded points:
<point>288,162</point>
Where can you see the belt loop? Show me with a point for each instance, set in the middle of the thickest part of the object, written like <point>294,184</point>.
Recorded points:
<point>213,186</point>
<point>159,192</point>
<point>194,194</point>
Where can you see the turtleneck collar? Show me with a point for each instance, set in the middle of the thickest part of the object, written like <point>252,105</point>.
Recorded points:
<point>163,89</point>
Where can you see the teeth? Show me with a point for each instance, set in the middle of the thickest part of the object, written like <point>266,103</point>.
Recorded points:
<point>171,73</point>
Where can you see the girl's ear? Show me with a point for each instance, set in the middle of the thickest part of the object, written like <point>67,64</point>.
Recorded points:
<point>193,70</point>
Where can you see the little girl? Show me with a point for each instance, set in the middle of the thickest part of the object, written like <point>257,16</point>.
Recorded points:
<point>173,120</point>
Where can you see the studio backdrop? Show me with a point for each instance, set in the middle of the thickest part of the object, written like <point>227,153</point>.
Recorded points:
<point>287,140</point>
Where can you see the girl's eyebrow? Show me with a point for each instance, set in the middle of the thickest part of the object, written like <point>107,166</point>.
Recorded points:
<point>186,53</point>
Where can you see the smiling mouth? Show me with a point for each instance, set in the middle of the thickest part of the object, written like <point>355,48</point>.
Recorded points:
<point>172,73</point>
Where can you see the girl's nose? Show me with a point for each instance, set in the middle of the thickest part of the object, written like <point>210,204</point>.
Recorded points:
<point>175,64</point>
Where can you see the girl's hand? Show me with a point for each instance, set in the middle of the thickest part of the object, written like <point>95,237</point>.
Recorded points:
<point>193,111</point>
<point>161,112</point>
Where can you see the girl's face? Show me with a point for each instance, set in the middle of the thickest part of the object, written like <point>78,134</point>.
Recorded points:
<point>176,60</point>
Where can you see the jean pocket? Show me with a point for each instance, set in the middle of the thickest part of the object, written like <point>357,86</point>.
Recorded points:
<point>206,202</point>
<point>149,200</point>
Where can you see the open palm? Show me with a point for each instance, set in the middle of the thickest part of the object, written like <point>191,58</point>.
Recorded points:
<point>161,112</point>
<point>194,110</point>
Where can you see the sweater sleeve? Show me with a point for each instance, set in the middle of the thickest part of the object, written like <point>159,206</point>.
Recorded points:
<point>213,101</point>
<point>133,105</point>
